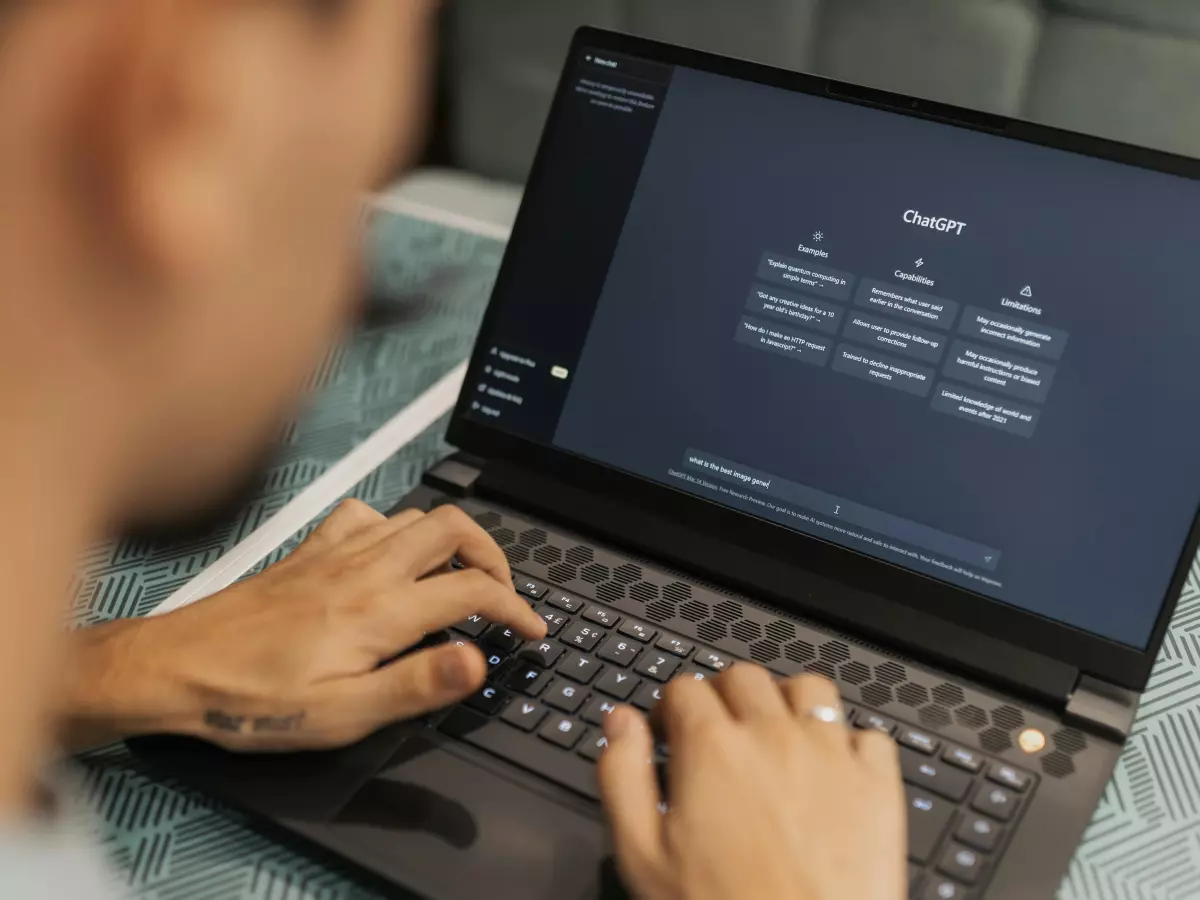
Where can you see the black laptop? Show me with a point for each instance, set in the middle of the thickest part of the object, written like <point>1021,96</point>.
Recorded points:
<point>834,380</point>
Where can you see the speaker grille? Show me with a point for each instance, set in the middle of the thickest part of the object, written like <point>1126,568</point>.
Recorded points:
<point>971,716</point>
<point>547,555</point>
<point>1058,764</point>
<point>855,673</point>
<point>996,740</point>
<point>732,624</point>
<point>800,652</point>
<point>488,520</point>
<point>579,556</point>
<point>627,573</point>
<point>877,694</point>
<point>746,630</point>
<point>912,694</point>
<point>764,652</point>
<point>609,592</point>
<point>534,537</point>
<point>562,573</point>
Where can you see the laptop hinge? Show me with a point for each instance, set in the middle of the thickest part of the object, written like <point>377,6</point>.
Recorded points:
<point>1098,706</point>
<point>455,476</point>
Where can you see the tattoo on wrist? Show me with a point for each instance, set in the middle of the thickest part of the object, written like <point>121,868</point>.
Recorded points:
<point>223,721</point>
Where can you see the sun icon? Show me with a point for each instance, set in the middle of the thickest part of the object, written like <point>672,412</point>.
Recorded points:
<point>818,236</point>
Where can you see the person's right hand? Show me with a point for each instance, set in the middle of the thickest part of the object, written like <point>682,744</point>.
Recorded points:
<point>766,801</point>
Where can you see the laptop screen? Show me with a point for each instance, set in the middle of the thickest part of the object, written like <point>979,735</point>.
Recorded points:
<point>959,353</point>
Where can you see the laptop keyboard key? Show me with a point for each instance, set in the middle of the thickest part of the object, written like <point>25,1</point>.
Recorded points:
<point>502,638</point>
<point>565,601</point>
<point>658,666</point>
<point>619,651</point>
<point>1009,777</point>
<point>579,667</point>
<point>554,620</point>
<point>617,684</point>
<point>647,696</point>
<point>939,888</point>
<point>562,730</point>
<point>544,653</point>
<point>969,760</point>
<point>999,803</point>
<point>525,714</point>
<point>473,626</point>
<point>979,831</point>
<point>867,719</point>
<point>597,710</point>
<point>565,696</point>
<point>928,816</point>
<point>718,662</point>
<point>934,775</point>
<point>495,660</point>
<point>582,636</point>
<point>528,680</point>
<point>918,740</point>
<point>488,700</point>
<point>961,863</point>
<point>529,587</point>
<point>637,631</point>
<point>593,748</point>
<point>675,645</point>
<point>602,616</point>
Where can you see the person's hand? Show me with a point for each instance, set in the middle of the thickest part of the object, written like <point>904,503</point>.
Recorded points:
<point>766,801</point>
<point>291,659</point>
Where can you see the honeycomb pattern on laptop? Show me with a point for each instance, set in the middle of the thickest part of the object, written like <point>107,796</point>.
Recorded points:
<point>787,646</point>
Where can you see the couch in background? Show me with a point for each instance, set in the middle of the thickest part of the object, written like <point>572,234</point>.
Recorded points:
<point>1123,69</point>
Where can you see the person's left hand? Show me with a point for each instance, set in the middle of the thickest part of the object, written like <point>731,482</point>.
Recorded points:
<point>291,659</point>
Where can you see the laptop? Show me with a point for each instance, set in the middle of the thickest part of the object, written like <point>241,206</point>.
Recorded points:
<point>834,380</point>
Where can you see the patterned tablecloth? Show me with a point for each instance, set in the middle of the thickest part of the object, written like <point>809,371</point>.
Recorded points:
<point>430,284</point>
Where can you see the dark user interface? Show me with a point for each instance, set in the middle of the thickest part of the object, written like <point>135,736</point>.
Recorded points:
<point>955,352</point>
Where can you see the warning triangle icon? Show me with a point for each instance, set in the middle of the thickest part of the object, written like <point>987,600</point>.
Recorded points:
<point>1027,291</point>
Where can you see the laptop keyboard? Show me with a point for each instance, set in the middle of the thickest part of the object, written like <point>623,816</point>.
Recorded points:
<point>544,704</point>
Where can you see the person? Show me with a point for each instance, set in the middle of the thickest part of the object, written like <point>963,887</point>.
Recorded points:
<point>181,184</point>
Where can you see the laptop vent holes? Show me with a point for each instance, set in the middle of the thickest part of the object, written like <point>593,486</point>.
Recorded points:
<point>664,598</point>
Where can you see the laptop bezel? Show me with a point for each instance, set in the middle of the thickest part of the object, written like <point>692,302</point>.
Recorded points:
<point>1118,663</point>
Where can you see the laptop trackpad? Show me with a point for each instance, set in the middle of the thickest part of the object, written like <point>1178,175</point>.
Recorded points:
<point>452,829</point>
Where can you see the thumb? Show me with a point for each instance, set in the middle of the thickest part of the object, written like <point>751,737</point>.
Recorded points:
<point>420,683</point>
<point>629,789</point>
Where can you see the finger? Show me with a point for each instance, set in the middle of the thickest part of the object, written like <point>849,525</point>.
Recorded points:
<point>750,693</point>
<point>438,537</point>
<point>877,752</point>
<point>349,518</point>
<point>811,696</point>
<point>420,683</point>
<point>630,794</point>
<point>441,600</point>
<point>688,709</point>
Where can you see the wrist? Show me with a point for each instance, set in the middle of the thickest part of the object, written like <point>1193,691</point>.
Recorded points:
<point>118,685</point>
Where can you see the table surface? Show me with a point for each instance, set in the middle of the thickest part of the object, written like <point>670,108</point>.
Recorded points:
<point>430,283</point>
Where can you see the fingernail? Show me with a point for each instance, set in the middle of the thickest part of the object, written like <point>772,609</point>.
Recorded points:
<point>453,671</point>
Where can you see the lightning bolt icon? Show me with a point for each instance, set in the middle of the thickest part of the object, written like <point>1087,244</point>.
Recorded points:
<point>920,262</point>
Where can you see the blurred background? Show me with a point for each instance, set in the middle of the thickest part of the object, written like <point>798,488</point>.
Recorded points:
<point>1122,69</point>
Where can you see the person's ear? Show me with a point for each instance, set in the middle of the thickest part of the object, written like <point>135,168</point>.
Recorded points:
<point>183,111</point>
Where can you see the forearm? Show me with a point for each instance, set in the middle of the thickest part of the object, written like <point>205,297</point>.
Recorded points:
<point>117,687</point>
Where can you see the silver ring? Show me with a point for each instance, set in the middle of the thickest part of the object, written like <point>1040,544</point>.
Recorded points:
<point>830,715</point>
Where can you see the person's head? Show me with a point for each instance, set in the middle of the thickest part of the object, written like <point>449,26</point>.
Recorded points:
<point>180,183</point>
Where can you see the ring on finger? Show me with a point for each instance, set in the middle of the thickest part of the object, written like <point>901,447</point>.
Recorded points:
<point>830,715</point>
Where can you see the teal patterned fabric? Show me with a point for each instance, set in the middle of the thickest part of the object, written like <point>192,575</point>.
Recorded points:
<point>430,285</point>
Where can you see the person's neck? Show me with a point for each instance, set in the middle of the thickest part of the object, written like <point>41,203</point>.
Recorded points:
<point>57,477</point>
